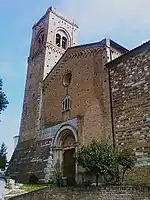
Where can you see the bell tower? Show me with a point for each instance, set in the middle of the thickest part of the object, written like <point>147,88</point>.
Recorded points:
<point>51,36</point>
<point>62,33</point>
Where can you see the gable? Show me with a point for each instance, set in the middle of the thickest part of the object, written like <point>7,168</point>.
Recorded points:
<point>131,53</point>
<point>86,50</point>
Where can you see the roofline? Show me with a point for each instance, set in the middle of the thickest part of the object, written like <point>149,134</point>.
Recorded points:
<point>100,43</point>
<point>56,64</point>
<point>103,42</point>
<point>118,46</point>
<point>52,10</point>
<point>131,53</point>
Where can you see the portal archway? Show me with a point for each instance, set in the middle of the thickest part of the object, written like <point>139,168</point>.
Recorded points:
<point>65,144</point>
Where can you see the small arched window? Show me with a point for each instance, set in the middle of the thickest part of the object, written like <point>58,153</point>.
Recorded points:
<point>58,39</point>
<point>42,39</point>
<point>64,42</point>
<point>39,42</point>
<point>66,105</point>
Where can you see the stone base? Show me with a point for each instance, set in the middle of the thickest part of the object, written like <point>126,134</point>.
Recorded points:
<point>107,193</point>
<point>29,157</point>
<point>138,176</point>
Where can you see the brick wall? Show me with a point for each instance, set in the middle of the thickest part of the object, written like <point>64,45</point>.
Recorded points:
<point>86,91</point>
<point>30,115</point>
<point>130,85</point>
<point>114,193</point>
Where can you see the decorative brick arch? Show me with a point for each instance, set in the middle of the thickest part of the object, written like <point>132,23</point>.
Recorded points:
<point>64,32</point>
<point>39,36</point>
<point>62,133</point>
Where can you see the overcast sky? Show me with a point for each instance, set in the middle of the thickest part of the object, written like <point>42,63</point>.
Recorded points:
<point>125,21</point>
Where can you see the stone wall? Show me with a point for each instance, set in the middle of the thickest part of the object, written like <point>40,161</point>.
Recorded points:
<point>130,86</point>
<point>29,157</point>
<point>114,193</point>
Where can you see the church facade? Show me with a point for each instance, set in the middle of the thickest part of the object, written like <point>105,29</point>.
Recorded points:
<point>75,94</point>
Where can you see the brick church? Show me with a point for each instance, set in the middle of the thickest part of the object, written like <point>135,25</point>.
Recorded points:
<point>74,94</point>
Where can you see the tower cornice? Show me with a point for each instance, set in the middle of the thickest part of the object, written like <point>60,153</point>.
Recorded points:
<point>52,10</point>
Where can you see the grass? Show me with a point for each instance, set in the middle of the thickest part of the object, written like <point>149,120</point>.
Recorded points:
<point>25,188</point>
<point>30,187</point>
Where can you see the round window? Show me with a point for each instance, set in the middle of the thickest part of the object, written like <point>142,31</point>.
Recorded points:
<point>67,79</point>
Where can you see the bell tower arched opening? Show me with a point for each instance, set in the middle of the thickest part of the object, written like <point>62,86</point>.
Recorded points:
<point>62,38</point>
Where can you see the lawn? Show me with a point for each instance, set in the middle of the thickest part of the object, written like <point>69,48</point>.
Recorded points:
<point>30,187</point>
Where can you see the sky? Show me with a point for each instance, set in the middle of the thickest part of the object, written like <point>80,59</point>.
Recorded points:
<point>126,22</point>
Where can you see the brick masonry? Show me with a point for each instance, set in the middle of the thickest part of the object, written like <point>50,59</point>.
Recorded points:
<point>89,92</point>
<point>130,87</point>
<point>85,90</point>
<point>113,193</point>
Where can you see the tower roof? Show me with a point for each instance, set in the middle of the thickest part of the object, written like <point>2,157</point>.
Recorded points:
<point>53,10</point>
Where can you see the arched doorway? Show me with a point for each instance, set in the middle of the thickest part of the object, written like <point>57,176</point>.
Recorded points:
<point>66,141</point>
<point>68,166</point>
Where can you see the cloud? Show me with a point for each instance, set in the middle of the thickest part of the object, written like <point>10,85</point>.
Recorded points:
<point>127,20</point>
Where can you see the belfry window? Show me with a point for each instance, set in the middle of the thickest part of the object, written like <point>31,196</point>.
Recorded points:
<point>40,40</point>
<point>62,39</point>
<point>58,39</point>
<point>66,105</point>
<point>64,42</point>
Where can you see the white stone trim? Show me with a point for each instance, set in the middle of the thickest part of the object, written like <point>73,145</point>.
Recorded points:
<point>58,134</point>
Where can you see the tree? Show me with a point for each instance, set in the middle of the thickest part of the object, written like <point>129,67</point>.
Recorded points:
<point>99,159</point>
<point>3,98</point>
<point>3,156</point>
<point>127,160</point>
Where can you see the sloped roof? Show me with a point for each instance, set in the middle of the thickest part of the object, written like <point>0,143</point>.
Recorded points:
<point>118,46</point>
<point>131,53</point>
<point>101,43</point>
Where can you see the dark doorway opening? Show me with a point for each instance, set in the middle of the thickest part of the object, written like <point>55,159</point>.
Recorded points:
<point>69,166</point>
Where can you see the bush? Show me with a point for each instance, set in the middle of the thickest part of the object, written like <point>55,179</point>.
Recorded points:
<point>127,160</point>
<point>103,161</point>
<point>100,159</point>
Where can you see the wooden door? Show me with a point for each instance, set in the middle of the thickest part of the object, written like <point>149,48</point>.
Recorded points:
<point>69,166</point>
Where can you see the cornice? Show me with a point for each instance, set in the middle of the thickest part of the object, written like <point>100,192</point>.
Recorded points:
<point>87,52</point>
<point>63,18</point>
<point>52,10</point>
<point>84,53</point>
<point>54,48</point>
